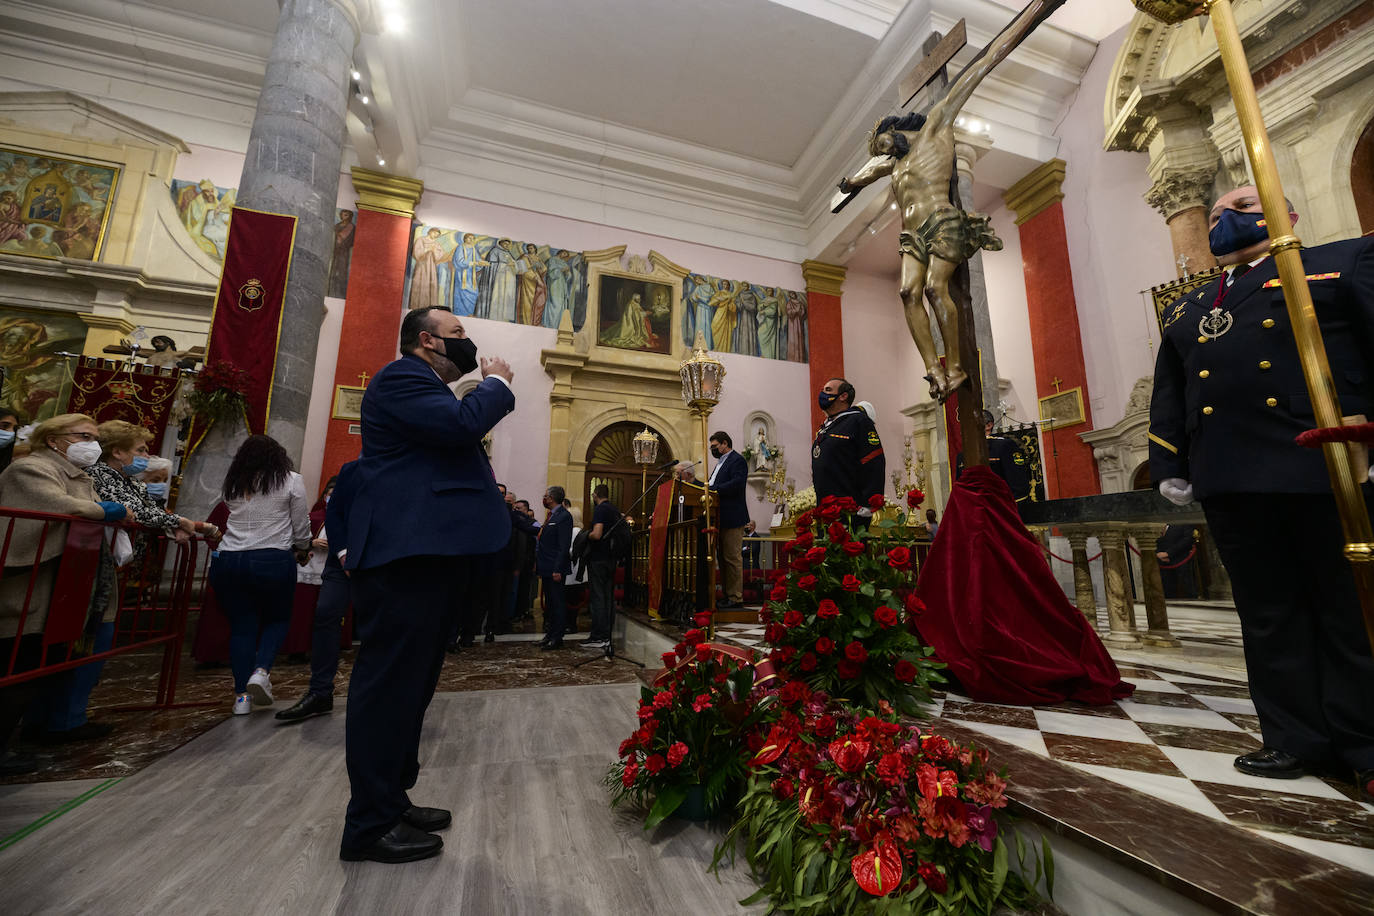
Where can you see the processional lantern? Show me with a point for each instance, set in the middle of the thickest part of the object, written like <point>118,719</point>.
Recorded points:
<point>702,375</point>
<point>645,445</point>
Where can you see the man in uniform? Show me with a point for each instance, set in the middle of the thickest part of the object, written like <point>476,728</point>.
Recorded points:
<point>847,455</point>
<point>1229,398</point>
<point>1005,460</point>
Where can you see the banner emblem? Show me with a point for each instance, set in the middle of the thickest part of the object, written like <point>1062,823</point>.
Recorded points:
<point>251,295</point>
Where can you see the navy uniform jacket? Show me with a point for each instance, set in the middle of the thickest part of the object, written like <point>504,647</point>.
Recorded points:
<point>847,457</point>
<point>1007,462</point>
<point>1225,411</point>
<point>423,485</point>
<point>551,551</point>
<point>730,483</point>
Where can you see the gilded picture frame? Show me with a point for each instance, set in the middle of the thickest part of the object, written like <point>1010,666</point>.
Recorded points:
<point>1063,408</point>
<point>650,288</point>
<point>54,207</point>
<point>348,402</point>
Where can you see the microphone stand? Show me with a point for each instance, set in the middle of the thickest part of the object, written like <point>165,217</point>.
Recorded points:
<point>609,652</point>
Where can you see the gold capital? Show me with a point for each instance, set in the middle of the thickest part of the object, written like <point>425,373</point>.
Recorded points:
<point>387,193</point>
<point>826,279</point>
<point>1037,191</point>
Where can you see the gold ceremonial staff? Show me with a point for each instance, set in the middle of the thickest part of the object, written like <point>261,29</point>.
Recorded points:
<point>1284,246</point>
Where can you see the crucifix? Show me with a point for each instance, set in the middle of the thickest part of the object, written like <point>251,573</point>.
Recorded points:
<point>363,377</point>
<point>938,236</point>
<point>1056,382</point>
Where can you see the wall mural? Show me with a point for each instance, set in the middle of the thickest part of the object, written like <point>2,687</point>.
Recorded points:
<point>52,207</point>
<point>736,316</point>
<point>204,209</point>
<point>36,379</point>
<point>498,279</point>
<point>630,310</point>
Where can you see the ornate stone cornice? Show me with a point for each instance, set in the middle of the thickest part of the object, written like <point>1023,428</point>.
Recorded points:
<point>387,193</point>
<point>1037,191</point>
<point>1181,189</point>
<point>823,278</point>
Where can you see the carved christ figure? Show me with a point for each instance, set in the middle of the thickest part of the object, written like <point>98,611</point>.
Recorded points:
<point>918,152</point>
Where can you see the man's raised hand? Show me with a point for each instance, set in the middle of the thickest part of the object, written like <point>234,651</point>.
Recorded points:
<point>495,365</point>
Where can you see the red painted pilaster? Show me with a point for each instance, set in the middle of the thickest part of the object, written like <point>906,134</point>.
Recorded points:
<point>1056,342</point>
<point>824,287</point>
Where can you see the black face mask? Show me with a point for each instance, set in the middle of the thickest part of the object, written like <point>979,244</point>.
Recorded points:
<point>715,451</point>
<point>461,352</point>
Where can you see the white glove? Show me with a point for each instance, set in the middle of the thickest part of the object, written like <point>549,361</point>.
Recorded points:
<point>1371,473</point>
<point>1176,490</point>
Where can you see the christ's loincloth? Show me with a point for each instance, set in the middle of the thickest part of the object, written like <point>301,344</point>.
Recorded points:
<point>950,235</point>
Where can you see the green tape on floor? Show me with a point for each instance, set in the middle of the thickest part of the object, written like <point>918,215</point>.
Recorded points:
<point>57,812</point>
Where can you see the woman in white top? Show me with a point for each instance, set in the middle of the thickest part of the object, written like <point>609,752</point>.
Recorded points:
<point>254,569</point>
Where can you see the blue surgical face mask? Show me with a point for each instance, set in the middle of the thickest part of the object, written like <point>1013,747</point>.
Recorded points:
<point>6,438</point>
<point>158,490</point>
<point>825,399</point>
<point>137,466</point>
<point>1236,231</point>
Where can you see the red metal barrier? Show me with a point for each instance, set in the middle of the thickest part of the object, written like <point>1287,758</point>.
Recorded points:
<point>156,591</point>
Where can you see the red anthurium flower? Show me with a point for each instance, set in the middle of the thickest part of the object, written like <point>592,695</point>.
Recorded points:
<point>899,558</point>
<point>827,609</point>
<point>876,502</point>
<point>778,739</point>
<point>886,616</point>
<point>853,548</point>
<point>851,583</point>
<point>904,671</point>
<point>849,755</point>
<point>855,651</point>
<point>878,870</point>
<point>807,583</point>
<point>914,497</point>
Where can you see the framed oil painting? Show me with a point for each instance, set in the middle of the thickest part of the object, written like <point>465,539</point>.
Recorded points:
<point>634,313</point>
<point>52,207</point>
<point>1064,408</point>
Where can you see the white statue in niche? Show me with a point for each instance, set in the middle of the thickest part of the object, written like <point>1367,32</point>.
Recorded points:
<point>760,453</point>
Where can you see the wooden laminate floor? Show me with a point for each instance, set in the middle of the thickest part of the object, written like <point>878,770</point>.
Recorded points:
<point>246,819</point>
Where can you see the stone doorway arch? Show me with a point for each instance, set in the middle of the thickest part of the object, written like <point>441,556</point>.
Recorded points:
<point>610,460</point>
<point>1362,178</point>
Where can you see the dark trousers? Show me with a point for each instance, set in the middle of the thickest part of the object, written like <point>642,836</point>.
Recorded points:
<point>16,699</point>
<point>555,609</point>
<point>1306,652</point>
<point>327,632</point>
<point>479,600</point>
<point>256,589</point>
<point>601,587</point>
<point>404,612</point>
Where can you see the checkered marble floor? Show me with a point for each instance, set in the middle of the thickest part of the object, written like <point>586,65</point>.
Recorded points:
<point>1175,740</point>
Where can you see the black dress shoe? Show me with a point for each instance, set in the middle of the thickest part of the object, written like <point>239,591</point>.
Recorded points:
<point>1364,782</point>
<point>1271,763</point>
<point>453,648</point>
<point>312,704</point>
<point>402,843</point>
<point>87,731</point>
<point>467,642</point>
<point>427,819</point>
<point>490,637</point>
<point>551,644</point>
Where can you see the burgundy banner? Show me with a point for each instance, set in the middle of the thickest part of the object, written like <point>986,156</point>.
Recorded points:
<point>112,390</point>
<point>248,306</point>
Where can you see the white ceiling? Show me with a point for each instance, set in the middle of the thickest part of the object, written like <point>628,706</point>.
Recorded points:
<point>720,121</point>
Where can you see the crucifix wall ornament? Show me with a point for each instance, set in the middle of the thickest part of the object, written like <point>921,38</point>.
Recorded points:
<point>938,235</point>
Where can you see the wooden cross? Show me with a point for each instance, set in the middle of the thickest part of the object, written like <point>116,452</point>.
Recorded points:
<point>1056,382</point>
<point>362,377</point>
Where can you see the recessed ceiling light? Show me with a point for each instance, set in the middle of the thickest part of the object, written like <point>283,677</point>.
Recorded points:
<point>395,22</point>
<point>364,99</point>
<point>381,161</point>
<point>894,205</point>
<point>357,75</point>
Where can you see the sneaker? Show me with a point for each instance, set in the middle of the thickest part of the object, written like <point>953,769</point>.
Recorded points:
<point>260,687</point>
<point>243,704</point>
<point>595,643</point>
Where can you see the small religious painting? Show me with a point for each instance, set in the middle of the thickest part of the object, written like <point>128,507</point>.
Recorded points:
<point>52,207</point>
<point>635,313</point>
<point>1064,408</point>
<point>204,209</point>
<point>36,380</point>
<point>348,402</point>
<point>337,286</point>
<point>499,279</point>
<point>736,316</point>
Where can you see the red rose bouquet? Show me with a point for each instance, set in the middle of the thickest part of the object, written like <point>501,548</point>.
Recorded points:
<point>851,812</point>
<point>690,734</point>
<point>219,393</point>
<point>839,618</point>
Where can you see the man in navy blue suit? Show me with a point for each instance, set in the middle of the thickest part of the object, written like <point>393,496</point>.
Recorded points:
<point>415,520</point>
<point>553,562</point>
<point>727,481</point>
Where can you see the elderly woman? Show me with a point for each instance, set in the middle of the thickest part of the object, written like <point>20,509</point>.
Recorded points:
<point>61,716</point>
<point>47,475</point>
<point>10,421</point>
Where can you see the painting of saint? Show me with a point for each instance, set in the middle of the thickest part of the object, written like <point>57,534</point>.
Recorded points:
<point>747,314</point>
<point>11,224</point>
<point>46,205</point>
<point>530,267</point>
<point>497,294</point>
<point>796,327</point>
<point>36,378</point>
<point>342,259</point>
<point>469,265</point>
<point>79,233</point>
<point>558,275</point>
<point>37,243</point>
<point>426,254</point>
<point>768,321</point>
<point>629,311</point>
<point>722,307</point>
<point>205,210</point>
<point>52,207</point>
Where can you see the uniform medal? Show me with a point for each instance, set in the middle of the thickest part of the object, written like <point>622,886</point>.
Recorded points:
<point>1215,323</point>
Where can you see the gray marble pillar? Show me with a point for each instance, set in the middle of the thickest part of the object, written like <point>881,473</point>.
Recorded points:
<point>967,149</point>
<point>292,166</point>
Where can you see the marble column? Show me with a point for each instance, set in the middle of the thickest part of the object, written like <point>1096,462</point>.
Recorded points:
<point>292,164</point>
<point>824,286</point>
<point>1156,609</point>
<point>1084,597</point>
<point>1182,197</point>
<point>1120,605</point>
<point>968,149</point>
